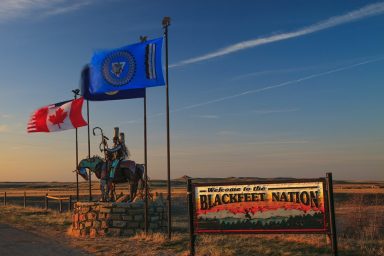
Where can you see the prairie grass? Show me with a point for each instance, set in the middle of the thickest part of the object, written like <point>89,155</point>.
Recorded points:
<point>359,217</point>
<point>34,217</point>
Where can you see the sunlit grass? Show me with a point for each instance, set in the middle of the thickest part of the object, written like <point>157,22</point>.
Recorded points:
<point>360,224</point>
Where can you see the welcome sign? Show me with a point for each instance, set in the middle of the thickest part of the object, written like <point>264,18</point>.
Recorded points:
<point>266,207</point>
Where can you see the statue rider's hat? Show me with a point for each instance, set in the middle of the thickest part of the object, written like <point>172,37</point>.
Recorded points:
<point>116,134</point>
<point>122,138</point>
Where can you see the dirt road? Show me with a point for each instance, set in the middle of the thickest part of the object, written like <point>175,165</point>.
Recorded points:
<point>16,242</point>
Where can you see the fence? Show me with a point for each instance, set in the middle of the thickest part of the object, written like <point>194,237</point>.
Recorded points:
<point>40,201</point>
<point>60,199</point>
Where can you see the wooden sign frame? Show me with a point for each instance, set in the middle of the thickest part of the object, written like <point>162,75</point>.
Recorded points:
<point>329,227</point>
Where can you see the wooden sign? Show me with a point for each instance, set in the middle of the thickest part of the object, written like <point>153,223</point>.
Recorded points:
<point>284,206</point>
<point>254,207</point>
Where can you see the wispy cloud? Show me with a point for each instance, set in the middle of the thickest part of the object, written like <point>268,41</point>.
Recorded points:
<point>273,111</point>
<point>5,116</point>
<point>133,121</point>
<point>68,8</point>
<point>278,142</point>
<point>11,9</point>
<point>226,133</point>
<point>364,12</point>
<point>4,128</point>
<point>208,116</point>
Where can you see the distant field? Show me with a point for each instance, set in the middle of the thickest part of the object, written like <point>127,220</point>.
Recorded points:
<point>69,188</point>
<point>178,187</point>
<point>359,212</point>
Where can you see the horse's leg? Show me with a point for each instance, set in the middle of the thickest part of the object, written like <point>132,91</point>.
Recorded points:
<point>134,189</point>
<point>130,191</point>
<point>102,189</point>
<point>107,185</point>
<point>138,179</point>
<point>112,192</point>
<point>108,190</point>
<point>126,172</point>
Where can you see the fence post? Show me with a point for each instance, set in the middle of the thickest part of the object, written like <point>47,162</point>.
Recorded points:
<point>25,199</point>
<point>46,201</point>
<point>60,206</point>
<point>70,203</point>
<point>5,198</point>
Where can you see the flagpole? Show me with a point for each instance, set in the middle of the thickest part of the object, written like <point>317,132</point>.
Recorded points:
<point>166,23</point>
<point>76,92</point>
<point>146,166</point>
<point>142,40</point>
<point>89,155</point>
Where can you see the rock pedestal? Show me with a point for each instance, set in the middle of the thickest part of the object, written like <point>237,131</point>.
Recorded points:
<point>116,219</point>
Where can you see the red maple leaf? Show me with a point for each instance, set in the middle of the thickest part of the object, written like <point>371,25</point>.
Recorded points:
<point>58,117</point>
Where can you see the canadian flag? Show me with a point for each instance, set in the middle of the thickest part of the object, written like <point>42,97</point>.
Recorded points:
<point>57,117</point>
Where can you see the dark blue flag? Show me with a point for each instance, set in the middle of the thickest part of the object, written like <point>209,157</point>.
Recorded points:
<point>130,67</point>
<point>116,95</point>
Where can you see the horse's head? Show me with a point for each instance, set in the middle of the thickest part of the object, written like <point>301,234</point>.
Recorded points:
<point>92,164</point>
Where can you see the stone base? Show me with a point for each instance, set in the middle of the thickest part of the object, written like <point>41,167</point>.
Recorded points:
<point>116,219</point>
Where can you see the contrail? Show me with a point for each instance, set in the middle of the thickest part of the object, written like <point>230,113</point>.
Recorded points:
<point>295,81</point>
<point>364,12</point>
<point>276,86</point>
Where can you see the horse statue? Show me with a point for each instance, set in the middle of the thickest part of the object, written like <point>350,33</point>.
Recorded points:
<point>128,171</point>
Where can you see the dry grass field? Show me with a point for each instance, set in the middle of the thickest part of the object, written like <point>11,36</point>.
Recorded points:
<point>359,217</point>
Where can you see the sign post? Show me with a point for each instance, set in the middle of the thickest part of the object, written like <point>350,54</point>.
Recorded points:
<point>332,221</point>
<point>190,214</point>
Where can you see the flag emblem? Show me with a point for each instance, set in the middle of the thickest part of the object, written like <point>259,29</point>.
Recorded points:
<point>119,68</point>
<point>57,117</point>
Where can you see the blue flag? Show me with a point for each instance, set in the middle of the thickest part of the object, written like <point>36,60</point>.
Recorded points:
<point>130,67</point>
<point>116,95</point>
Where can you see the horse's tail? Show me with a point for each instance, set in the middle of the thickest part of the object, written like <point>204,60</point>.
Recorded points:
<point>141,174</point>
<point>143,184</point>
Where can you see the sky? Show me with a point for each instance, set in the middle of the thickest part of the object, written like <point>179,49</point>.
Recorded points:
<point>257,88</point>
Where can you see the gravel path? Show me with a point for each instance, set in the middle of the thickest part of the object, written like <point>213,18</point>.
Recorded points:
<point>16,242</point>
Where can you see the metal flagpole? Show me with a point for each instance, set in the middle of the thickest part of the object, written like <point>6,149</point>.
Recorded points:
<point>146,165</point>
<point>143,39</point>
<point>76,92</point>
<point>89,155</point>
<point>166,23</point>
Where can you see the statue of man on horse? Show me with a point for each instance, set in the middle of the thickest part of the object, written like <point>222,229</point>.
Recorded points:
<point>113,157</point>
<point>114,168</point>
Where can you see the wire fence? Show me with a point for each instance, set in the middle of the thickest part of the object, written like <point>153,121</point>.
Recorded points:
<point>46,201</point>
<point>62,202</point>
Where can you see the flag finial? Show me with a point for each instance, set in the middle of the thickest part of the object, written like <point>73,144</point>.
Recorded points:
<point>166,21</point>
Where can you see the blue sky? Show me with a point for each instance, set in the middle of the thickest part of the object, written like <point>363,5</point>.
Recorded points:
<point>258,88</point>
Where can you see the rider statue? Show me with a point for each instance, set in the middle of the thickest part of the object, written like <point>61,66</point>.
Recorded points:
<point>113,157</point>
<point>113,169</point>
<point>117,153</point>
